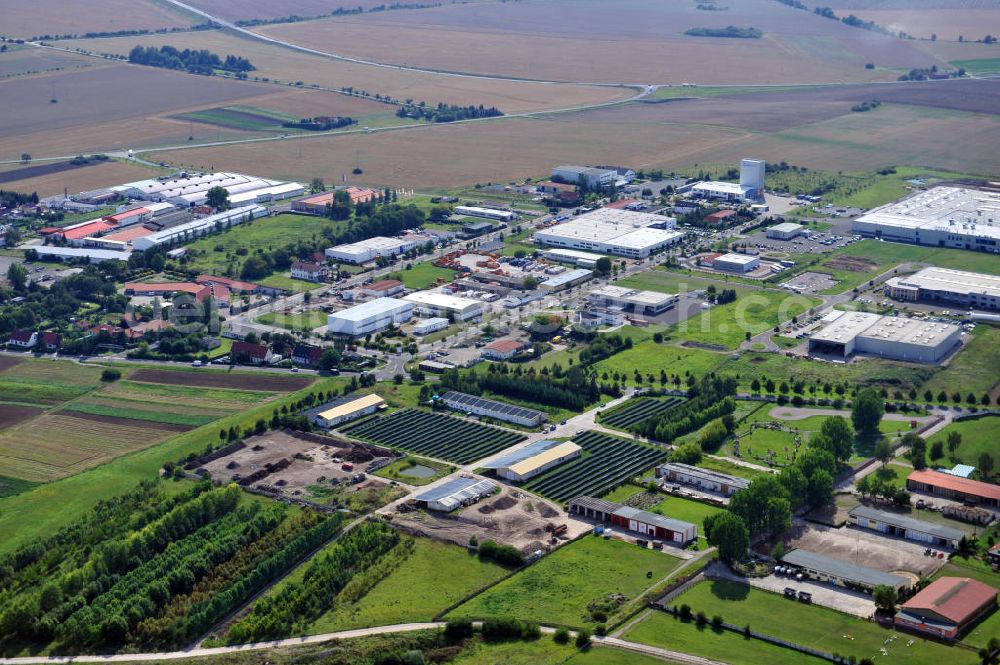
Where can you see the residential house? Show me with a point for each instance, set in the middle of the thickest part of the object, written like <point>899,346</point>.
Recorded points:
<point>309,271</point>
<point>307,355</point>
<point>22,339</point>
<point>251,354</point>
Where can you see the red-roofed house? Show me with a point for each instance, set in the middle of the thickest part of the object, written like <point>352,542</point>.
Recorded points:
<point>720,216</point>
<point>22,339</point>
<point>231,284</point>
<point>251,354</point>
<point>502,349</point>
<point>138,330</point>
<point>309,271</point>
<point>50,341</point>
<point>383,288</point>
<point>307,355</point>
<point>954,487</point>
<point>947,606</point>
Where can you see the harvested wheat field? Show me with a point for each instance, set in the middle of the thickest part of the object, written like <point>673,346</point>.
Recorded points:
<point>23,60</point>
<point>639,41</point>
<point>289,67</point>
<point>34,18</point>
<point>947,24</point>
<point>444,156</point>
<point>47,181</point>
<point>244,10</point>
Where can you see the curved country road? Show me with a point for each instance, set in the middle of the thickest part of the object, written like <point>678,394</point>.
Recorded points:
<point>663,654</point>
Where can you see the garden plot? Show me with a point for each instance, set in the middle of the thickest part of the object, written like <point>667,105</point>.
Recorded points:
<point>434,435</point>
<point>305,466</point>
<point>510,517</point>
<point>607,462</point>
<point>637,411</point>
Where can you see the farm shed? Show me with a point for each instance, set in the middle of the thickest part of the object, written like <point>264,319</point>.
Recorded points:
<point>592,508</point>
<point>456,493</point>
<point>947,606</point>
<point>653,525</point>
<point>344,409</point>
<point>841,573</point>
<point>893,524</point>
<point>703,479</point>
<point>534,459</point>
<point>954,487</point>
<point>493,409</point>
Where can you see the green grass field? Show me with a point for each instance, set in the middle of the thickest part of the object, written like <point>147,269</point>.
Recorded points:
<point>979,435</point>
<point>559,588</point>
<point>753,312</point>
<point>305,320</point>
<point>216,253</point>
<point>724,466</point>
<point>623,492</point>
<point>975,369</point>
<point>422,275</point>
<point>662,630</point>
<point>981,66</point>
<point>545,651</point>
<point>247,119</point>
<point>140,414</point>
<point>42,510</point>
<point>810,625</point>
<point>666,281</point>
<point>39,392</point>
<point>650,357</point>
<point>431,578</point>
<point>10,486</point>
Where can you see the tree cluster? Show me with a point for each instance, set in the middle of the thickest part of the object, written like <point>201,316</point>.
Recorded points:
<point>201,61</point>
<point>446,112</point>
<point>603,347</point>
<point>710,398</point>
<point>572,391</point>
<point>731,31</point>
<point>505,555</point>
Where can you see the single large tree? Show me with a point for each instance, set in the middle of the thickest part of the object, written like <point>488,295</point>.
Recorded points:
<point>885,598</point>
<point>869,407</point>
<point>218,198</point>
<point>729,534</point>
<point>17,275</point>
<point>820,488</point>
<point>918,450</point>
<point>840,437</point>
<point>883,451</point>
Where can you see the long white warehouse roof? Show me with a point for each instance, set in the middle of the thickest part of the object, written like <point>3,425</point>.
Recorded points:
<point>959,209</point>
<point>367,310</point>
<point>953,281</point>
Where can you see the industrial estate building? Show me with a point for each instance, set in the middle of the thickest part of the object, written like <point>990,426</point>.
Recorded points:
<point>431,325</point>
<point>841,573</point>
<point>632,300</point>
<point>491,408</point>
<point>534,459</point>
<point>370,317</point>
<point>191,190</point>
<point>593,178</point>
<point>651,525</point>
<point>573,257</point>
<point>703,479</point>
<point>611,231</point>
<point>432,303</point>
<point>456,493</point>
<point>954,487</point>
<point>318,204</point>
<point>364,251</point>
<point>384,288</point>
<point>957,217</point>
<point>750,187</point>
<point>486,213</point>
<point>503,349</point>
<point>738,263</point>
<point>345,409</point>
<point>947,606</point>
<point>965,289</point>
<point>567,280</point>
<point>846,333</point>
<point>784,231</point>
<point>894,524</point>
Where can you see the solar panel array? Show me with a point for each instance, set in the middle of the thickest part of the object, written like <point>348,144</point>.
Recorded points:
<point>499,408</point>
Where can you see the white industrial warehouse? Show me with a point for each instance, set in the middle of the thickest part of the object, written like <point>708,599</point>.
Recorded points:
<point>344,409</point>
<point>590,176</point>
<point>784,231</point>
<point>573,257</point>
<point>456,493</point>
<point>613,231</point>
<point>370,317</point>
<point>957,217</point>
<point>486,213</point>
<point>750,187</point>
<point>188,190</point>
<point>738,263</point>
<point>364,251</point>
<point>433,303</point>
<point>633,300</point>
<point>533,459</point>
<point>847,333</point>
<point>955,287</point>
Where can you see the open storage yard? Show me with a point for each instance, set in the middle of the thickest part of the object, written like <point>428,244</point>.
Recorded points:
<point>607,461</point>
<point>435,435</point>
<point>508,517</point>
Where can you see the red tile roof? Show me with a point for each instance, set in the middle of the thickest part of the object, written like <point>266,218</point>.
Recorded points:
<point>720,215</point>
<point>87,230</point>
<point>505,346</point>
<point>249,350</point>
<point>119,216</point>
<point>957,599</point>
<point>621,204</point>
<point>129,234</point>
<point>51,339</point>
<point>22,336</point>
<point>384,285</point>
<point>231,284</point>
<point>956,484</point>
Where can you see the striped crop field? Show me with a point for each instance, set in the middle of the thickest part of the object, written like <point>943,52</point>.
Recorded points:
<point>607,461</point>
<point>443,437</point>
<point>637,411</point>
